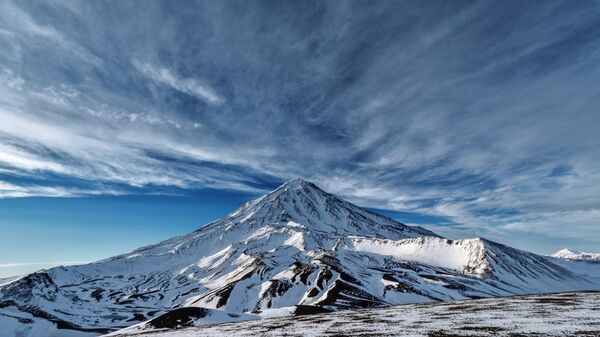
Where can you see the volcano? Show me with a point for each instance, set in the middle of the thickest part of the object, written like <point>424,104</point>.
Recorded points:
<point>296,250</point>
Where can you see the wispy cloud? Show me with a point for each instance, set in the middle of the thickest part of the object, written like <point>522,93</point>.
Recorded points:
<point>190,86</point>
<point>20,22</point>
<point>483,114</point>
<point>26,264</point>
<point>8,190</point>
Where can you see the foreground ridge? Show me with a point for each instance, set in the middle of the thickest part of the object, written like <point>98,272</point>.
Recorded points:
<point>564,314</point>
<point>295,250</point>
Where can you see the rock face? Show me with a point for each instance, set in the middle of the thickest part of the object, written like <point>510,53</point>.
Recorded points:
<point>295,250</point>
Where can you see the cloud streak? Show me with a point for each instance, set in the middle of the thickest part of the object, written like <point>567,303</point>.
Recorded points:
<point>483,114</point>
<point>25,264</point>
<point>188,86</point>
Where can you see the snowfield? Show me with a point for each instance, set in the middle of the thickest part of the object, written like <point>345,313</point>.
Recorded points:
<point>565,314</point>
<point>457,255</point>
<point>294,251</point>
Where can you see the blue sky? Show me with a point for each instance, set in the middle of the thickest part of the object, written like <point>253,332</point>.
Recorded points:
<point>148,119</point>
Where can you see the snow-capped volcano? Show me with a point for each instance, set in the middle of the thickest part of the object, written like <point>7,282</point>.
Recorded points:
<point>297,249</point>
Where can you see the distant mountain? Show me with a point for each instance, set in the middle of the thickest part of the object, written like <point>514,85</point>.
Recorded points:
<point>571,254</point>
<point>294,251</point>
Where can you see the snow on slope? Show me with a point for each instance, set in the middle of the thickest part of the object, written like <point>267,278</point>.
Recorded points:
<point>296,248</point>
<point>459,255</point>
<point>571,254</point>
<point>549,315</point>
<point>586,264</point>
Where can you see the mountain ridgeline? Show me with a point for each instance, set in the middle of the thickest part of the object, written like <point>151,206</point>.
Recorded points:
<point>294,251</point>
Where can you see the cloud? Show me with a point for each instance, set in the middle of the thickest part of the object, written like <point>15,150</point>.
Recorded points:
<point>24,264</point>
<point>23,24</point>
<point>9,271</point>
<point>188,86</point>
<point>8,190</point>
<point>13,156</point>
<point>481,114</point>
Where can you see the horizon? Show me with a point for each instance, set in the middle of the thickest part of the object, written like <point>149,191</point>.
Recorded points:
<point>125,124</point>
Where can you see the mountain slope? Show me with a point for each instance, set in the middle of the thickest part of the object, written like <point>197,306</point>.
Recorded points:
<point>558,315</point>
<point>297,249</point>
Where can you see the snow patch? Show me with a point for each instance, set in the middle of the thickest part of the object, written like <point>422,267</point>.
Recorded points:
<point>433,251</point>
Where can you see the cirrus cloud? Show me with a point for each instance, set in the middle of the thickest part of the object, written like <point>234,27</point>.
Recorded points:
<point>483,114</point>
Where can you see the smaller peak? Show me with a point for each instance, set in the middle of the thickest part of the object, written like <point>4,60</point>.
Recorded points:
<point>566,252</point>
<point>569,250</point>
<point>572,254</point>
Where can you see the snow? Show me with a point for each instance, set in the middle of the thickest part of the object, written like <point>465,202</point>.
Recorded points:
<point>297,245</point>
<point>277,312</point>
<point>295,240</point>
<point>295,224</point>
<point>552,315</point>
<point>11,327</point>
<point>433,251</point>
<point>576,255</point>
<point>588,268</point>
<point>220,256</point>
<point>211,317</point>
